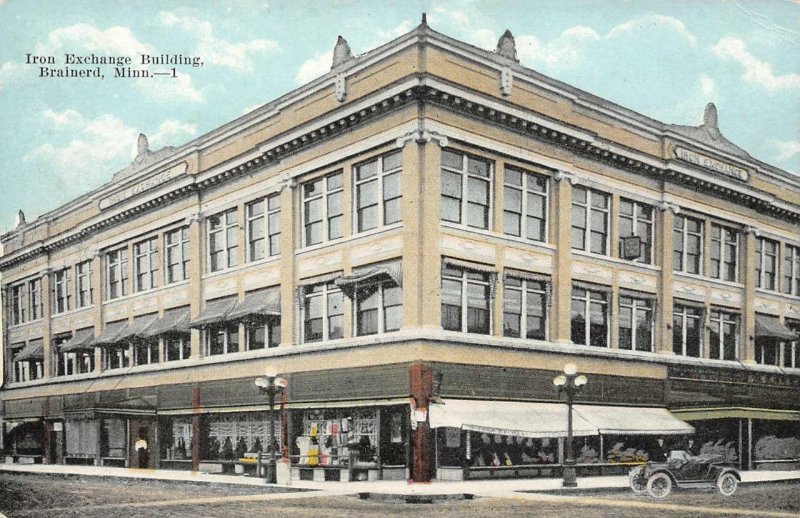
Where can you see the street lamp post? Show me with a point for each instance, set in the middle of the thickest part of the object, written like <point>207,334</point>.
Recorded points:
<point>569,383</point>
<point>270,385</point>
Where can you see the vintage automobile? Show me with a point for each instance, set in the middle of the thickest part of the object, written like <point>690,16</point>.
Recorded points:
<point>681,470</point>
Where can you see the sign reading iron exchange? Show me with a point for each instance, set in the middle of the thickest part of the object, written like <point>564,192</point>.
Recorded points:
<point>711,163</point>
<point>144,185</point>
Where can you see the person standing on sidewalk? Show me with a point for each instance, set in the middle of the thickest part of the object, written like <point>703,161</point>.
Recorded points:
<point>141,448</point>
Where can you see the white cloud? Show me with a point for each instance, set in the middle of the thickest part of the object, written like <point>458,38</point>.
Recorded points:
<point>478,35</point>
<point>114,41</point>
<point>218,51</point>
<point>786,149</point>
<point>404,27</point>
<point>59,120</point>
<point>251,108</point>
<point>10,71</point>
<point>755,71</point>
<point>165,89</point>
<point>653,21</point>
<point>171,133</point>
<point>315,67</point>
<point>707,86</point>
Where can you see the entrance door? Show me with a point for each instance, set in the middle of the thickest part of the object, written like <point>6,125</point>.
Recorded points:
<point>142,450</point>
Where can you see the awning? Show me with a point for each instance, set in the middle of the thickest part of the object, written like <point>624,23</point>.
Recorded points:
<point>258,303</point>
<point>138,327</point>
<point>508,418</point>
<point>387,272</point>
<point>215,311</point>
<point>771,327</point>
<point>467,265</point>
<point>111,334</point>
<point>699,414</point>
<point>617,420</point>
<point>175,320</point>
<point>81,341</point>
<point>33,351</point>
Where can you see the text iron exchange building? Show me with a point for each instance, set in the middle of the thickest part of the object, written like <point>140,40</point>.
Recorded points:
<point>418,242</point>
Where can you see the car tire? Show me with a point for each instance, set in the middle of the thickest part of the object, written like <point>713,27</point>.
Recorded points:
<point>727,484</point>
<point>659,486</point>
<point>637,480</point>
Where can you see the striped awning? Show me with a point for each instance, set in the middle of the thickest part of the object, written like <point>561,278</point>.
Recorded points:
<point>215,311</point>
<point>138,327</point>
<point>33,351</point>
<point>112,333</point>
<point>81,341</point>
<point>264,303</point>
<point>771,327</point>
<point>175,320</point>
<point>376,274</point>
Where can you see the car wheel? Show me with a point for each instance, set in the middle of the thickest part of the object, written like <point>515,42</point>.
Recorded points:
<point>727,484</point>
<point>659,485</point>
<point>637,480</point>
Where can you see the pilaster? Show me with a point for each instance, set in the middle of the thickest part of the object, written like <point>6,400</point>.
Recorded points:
<point>562,271</point>
<point>664,222</point>
<point>290,228</point>
<point>47,329</point>
<point>98,295</point>
<point>196,248</point>
<point>747,262</point>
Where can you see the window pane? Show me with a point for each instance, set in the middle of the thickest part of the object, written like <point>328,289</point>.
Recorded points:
<point>625,328</point>
<point>452,159</point>
<point>392,161</point>
<point>513,199</point>
<point>367,170</point>
<point>478,167</point>
<point>513,177</point>
<point>391,186</point>
<point>578,322</point>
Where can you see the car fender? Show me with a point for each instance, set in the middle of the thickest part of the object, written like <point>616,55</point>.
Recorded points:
<point>663,470</point>
<point>735,472</point>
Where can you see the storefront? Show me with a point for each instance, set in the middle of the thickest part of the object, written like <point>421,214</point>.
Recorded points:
<point>483,439</point>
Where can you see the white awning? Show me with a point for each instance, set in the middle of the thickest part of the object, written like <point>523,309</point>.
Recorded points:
<point>618,420</point>
<point>508,418</point>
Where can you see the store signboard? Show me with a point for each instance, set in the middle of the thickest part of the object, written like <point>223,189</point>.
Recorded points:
<point>144,185</point>
<point>711,163</point>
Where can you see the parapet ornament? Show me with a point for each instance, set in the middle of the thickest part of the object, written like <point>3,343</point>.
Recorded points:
<point>561,176</point>
<point>197,217</point>
<point>20,219</point>
<point>341,52</point>
<point>753,231</point>
<point>507,46</point>
<point>669,206</point>
<point>422,137</point>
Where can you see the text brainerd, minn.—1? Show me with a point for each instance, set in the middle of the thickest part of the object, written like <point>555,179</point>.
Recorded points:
<point>96,66</point>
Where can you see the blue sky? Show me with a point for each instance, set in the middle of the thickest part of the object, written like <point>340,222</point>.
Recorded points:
<point>63,137</point>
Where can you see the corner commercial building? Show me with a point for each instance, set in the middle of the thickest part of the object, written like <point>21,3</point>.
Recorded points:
<point>429,221</point>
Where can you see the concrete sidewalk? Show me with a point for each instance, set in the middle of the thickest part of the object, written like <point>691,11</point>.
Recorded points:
<point>388,487</point>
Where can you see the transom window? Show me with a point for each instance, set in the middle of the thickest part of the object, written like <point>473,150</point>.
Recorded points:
<point>589,317</point>
<point>687,245</point>
<point>687,333</point>
<point>145,264</point>
<point>590,219</point>
<point>323,312</point>
<point>766,263</point>
<point>466,189</point>
<point>83,284</point>
<point>525,204</point>
<point>636,219</point>
<point>525,308</point>
<point>791,270</point>
<point>466,292</point>
<point>723,336</point>
<point>117,273</point>
<point>263,228</point>
<point>378,192</point>
<point>35,298</point>
<point>635,323</point>
<point>18,309</point>
<point>176,255</point>
<point>724,253</point>
<point>323,213</point>
<point>223,242</point>
<point>61,295</point>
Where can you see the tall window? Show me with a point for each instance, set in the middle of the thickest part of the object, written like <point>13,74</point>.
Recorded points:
<point>466,189</point>
<point>687,242</point>
<point>724,252</point>
<point>378,308</point>
<point>636,219</point>
<point>222,338</point>
<point>466,292</point>
<point>378,192</point>
<point>35,298</point>
<point>323,312</point>
<point>791,349</point>
<point>223,242</point>
<point>525,205</point>
<point>791,270</point>
<point>177,346</point>
<point>176,255</point>
<point>145,264</point>
<point>263,228</point>
<point>117,273</point>
<point>635,323</point>
<point>17,304</point>
<point>766,263</point>
<point>590,211</point>
<point>61,294</point>
<point>323,213</point>
<point>524,308</point>
<point>724,336</point>
<point>83,284</point>
<point>687,334</point>
<point>589,317</point>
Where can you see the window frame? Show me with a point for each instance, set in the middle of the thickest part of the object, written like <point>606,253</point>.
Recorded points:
<point>150,256</point>
<point>325,194</point>
<point>18,303</point>
<point>35,302</point>
<point>381,200</point>
<point>720,244</point>
<point>121,266</point>
<point>271,209</point>
<point>525,288</point>
<point>82,275</point>
<point>382,309</point>
<point>647,247</point>
<point>587,301</point>
<point>760,255</point>
<point>61,296</point>
<point>791,349</point>
<point>682,311</point>
<point>180,247</point>
<point>717,320</point>
<point>226,330</point>
<point>638,303</point>
<point>465,281</point>
<point>465,176</point>
<point>122,351</point>
<point>685,233</point>
<point>791,270</point>
<point>184,346</point>
<point>229,251</point>
<point>525,191</point>
<point>590,209</point>
<point>328,289</point>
